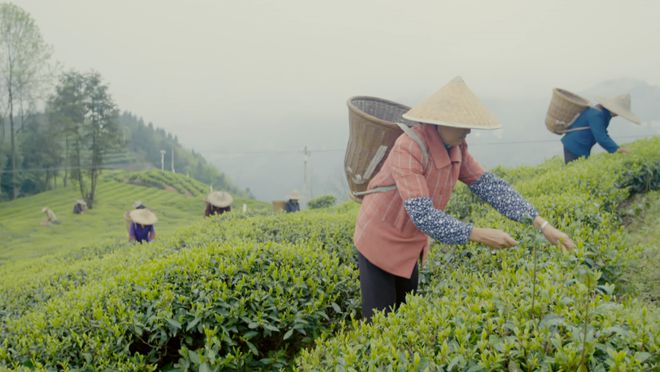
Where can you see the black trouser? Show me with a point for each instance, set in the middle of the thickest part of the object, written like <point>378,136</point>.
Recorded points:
<point>382,290</point>
<point>569,156</point>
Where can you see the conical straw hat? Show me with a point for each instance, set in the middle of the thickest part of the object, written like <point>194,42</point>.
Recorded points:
<point>295,195</point>
<point>454,105</point>
<point>619,105</point>
<point>143,216</point>
<point>219,199</point>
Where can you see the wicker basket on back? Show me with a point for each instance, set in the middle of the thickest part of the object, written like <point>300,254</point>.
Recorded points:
<point>372,132</point>
<point>278,205</point>
<point>564,108</point>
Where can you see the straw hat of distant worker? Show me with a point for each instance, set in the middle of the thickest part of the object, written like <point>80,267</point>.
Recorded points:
<point>619,105</point>
<point>220,199</point>
<point>294,195</point>
<point>143,216</point>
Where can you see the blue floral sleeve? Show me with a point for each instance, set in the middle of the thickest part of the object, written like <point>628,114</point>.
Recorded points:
<point>501,196</point>
<point>435,223</point>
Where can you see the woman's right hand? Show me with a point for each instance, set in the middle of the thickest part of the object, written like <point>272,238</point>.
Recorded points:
<point>492,237</point>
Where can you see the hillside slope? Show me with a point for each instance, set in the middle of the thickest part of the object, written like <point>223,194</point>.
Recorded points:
<point>176,199</point>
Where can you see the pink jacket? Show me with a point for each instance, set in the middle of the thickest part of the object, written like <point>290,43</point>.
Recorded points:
<point>384,232</point>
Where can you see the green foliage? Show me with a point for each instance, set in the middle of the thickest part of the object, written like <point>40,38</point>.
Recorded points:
<point>86,115</point>
<point>323,201</point>
<point>170,291</point>
<point>641,177</point>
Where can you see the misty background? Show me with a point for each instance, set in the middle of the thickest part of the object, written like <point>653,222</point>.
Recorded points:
<point>249,84</point>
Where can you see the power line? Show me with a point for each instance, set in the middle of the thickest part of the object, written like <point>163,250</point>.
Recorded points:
<point>269,152</point>
<point>472,144</point>
<point>49,169</point>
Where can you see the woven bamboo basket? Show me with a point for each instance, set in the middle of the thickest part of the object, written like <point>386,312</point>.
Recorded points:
<point>563,110</point>
<point>278,206</point>
<point>372,131</point>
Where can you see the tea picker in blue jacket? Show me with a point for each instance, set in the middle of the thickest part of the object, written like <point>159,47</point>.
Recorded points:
<point>292,205</point>
<point>590,128</point>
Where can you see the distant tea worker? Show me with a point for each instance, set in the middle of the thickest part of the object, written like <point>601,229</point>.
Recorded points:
<point>142,225</point>
<point>217,203</point>
<point>590,127</point>
<point>51,218</point>
<point>292,205</point>
<point>80,207</point>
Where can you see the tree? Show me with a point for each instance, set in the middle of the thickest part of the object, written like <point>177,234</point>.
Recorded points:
<point>41,155</point>
<point>87,114</point>
<point>24,71</point>
<point>66,110</point>
<point>101,129</point>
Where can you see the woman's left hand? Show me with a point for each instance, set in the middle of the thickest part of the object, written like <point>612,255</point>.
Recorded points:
<point>558,237</point>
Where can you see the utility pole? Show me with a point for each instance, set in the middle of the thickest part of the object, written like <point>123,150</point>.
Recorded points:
<point>173,159</point>
<point>162,160</point>
<point>308,174</point>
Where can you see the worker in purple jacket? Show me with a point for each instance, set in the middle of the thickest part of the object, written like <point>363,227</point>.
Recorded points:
<point>142,226</point>
<point>590,128</point>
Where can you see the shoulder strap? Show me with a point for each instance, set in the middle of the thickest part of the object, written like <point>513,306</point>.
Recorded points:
<point>574,130</point>
<point>422,146</point>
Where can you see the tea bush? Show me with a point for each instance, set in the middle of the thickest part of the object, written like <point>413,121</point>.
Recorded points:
<point>37,282</point>
<point>235,306</point>
<point>323,201</point>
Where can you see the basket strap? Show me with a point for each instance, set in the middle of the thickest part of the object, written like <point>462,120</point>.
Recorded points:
<point>575,130</point>
<point>375,189</point>
<point>422,146</point>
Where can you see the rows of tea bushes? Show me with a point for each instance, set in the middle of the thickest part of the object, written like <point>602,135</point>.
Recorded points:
<point>36,281</point>
<point>57,302</point>
<point>532,307</point>
<point>328,230</point>
<point>162,180</point>
<point>238,305</point>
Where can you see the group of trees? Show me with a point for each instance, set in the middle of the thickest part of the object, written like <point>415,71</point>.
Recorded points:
<point>59,129</point>
<point>70,134</point>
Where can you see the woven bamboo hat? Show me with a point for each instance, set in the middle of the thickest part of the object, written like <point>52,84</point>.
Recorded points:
<point>619,105</point>
<point>220,199</point>
<point>294,195</point>
<point>143,216</point>
<point>454,105</point>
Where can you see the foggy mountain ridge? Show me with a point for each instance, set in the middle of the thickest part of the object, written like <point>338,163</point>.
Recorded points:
<point>271,162</point>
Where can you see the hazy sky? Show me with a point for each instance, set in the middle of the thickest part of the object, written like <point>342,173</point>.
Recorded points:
<point>221,73</point>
